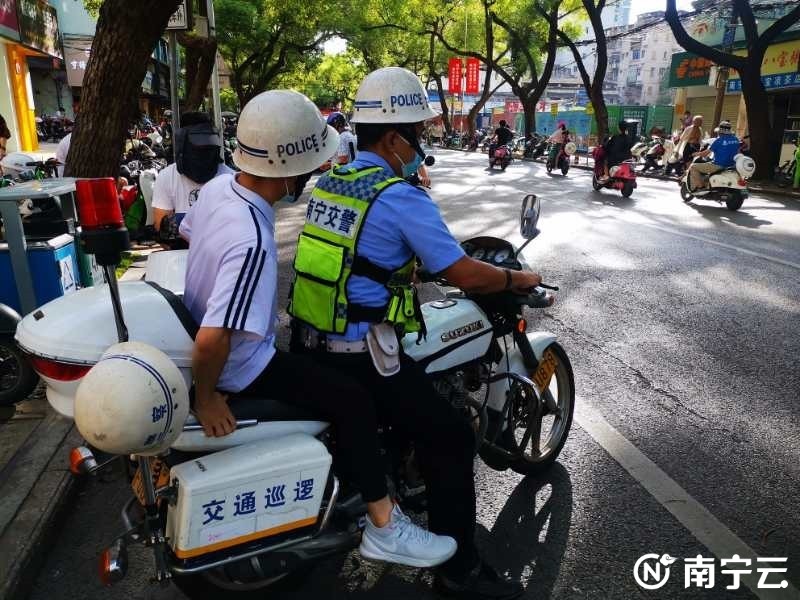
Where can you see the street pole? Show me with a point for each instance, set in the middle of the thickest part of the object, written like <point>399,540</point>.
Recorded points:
<point>215,99</point>
<point>464,89</point>
<point>722,71</point>
<point>173,87</point>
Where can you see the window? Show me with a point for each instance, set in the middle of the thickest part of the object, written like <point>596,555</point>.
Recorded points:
<point>652,72</point>
<point>661,72</point>
<point>642,53</point>
<point>665,55</point>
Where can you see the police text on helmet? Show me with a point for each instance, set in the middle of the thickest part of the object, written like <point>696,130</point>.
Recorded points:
<point>407,100</point>
<point>298,146</point>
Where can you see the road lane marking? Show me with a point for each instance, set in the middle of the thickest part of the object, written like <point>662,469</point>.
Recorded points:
<point>779,261</point>
<point>703,525</point>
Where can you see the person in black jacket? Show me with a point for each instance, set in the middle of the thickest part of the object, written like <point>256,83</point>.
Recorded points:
<point>618,149</point>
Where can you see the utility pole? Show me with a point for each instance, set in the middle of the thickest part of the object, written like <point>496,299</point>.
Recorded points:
<point>722,71</point>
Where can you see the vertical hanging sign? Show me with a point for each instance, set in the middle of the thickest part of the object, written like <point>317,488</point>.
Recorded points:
<point>454,76</point>
<point>473,75</point>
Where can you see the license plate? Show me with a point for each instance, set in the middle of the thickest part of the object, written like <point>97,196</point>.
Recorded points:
<point>544,372</point>
<point>160,479</point>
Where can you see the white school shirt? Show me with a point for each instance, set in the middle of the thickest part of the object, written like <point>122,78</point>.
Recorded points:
<point>176,192</point>
<point>232,274</point>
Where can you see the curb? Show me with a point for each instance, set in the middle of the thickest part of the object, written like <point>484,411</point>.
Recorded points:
<point>27,536</point>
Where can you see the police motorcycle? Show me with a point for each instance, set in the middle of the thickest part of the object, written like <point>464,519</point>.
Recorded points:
<point>235,515</point>
<point>727,186</point>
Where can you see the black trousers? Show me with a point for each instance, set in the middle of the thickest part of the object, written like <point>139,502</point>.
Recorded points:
<point>301,381</point>
<point>443,440</point>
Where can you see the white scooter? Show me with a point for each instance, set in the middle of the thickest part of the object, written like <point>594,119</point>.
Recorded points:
<point>515,387</point>
<point>728,186</point>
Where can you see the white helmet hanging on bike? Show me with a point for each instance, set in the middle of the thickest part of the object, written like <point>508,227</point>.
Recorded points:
<point>133,401</point>
<point>281,133</point>
<point>391,95</point>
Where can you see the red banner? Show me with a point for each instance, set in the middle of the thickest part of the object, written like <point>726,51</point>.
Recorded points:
<point>9,26</point>
<point>473,75</point>
<point>454,76</point>
<point>514,106</point>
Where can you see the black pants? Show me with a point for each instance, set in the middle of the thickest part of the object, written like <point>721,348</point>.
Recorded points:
<point>301,381</point>
<point>443,440</point>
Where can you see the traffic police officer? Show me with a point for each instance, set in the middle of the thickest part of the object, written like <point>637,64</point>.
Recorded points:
<point>365,227</point>
<point>231,287</point>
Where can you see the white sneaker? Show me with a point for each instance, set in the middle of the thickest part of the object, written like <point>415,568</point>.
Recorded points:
<point>405,543</point>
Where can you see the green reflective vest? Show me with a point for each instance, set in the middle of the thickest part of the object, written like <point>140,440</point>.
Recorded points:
<point>326,257</point>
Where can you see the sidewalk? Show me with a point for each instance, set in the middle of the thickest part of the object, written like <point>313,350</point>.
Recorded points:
<point>36,485</point>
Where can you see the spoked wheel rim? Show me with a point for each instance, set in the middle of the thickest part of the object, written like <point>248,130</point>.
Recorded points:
<point>539,423</point>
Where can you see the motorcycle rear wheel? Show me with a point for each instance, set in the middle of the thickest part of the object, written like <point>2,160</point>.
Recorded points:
<point>17,377</point>
<point>686,195</point>
<point>219,583</point>
<point>530,460</point>
<point>734,202</point>
<point>627,189</point>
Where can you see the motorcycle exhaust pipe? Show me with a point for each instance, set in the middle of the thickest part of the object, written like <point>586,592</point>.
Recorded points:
<point>113,564</point>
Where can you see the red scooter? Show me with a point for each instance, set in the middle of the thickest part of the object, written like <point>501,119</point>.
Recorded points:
<point>622,177</point>
<point>500,157</point>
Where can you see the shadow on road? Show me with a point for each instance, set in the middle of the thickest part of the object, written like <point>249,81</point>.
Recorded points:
<point>718,213</point>
<point>529,536</point>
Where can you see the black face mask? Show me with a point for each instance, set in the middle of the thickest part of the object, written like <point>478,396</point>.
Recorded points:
<point>198,152</point>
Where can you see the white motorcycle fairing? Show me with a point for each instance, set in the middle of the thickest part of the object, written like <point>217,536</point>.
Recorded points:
<point>77,328</point>
<point>197,441</point>
<point>247,493</point>
<point>514,363</point>
<point>727,179</point>
<point>459,332</point>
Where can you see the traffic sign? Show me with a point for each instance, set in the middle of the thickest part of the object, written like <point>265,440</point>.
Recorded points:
<point>181,18</point>
<point>554,108</point>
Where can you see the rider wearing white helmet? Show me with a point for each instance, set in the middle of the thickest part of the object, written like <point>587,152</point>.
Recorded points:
<point>368,211</point>
<point>231,291</point>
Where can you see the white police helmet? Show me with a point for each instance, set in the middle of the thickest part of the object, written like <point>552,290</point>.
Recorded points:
<point>133,401</point>
<point>15,163</point>
<point>281,133</point>
<point>391,95</point>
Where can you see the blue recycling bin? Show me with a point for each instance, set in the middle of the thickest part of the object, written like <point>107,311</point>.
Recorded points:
<point>53,266</point>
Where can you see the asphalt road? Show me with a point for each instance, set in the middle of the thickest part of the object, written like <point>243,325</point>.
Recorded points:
<point>682,323</point>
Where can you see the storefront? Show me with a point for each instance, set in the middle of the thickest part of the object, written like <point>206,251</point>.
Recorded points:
<point>780,73</point>
<point>9,37</point>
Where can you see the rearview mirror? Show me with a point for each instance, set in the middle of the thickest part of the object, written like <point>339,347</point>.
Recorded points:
<point>529,217</point>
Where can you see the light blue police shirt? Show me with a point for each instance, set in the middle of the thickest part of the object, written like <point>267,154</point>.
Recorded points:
<point>403,222</point>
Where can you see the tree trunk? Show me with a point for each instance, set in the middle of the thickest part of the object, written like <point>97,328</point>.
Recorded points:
<point>600,111</point>
<point>529,106</point>
<point>448,125</point>
<point>200,56</point>
<point>125,37</point>
<point>756,101</point>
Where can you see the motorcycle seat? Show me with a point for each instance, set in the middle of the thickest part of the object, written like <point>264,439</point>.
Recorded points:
<point>262,409</point>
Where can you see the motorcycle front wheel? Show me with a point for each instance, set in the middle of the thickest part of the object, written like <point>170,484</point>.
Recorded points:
<point>533,440</point>
<point>686,195</point>
<point>596,183</point>
<point>564,167</point>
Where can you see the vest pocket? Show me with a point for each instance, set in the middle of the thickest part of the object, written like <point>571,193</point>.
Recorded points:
<point>319,266</point>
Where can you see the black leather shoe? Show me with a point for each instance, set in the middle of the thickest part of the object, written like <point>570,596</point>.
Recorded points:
<point>482,583</point>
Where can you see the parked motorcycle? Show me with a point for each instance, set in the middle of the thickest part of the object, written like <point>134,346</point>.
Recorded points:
<point>17,377</point>
<point>654,155</point>
<point>500,157</point>
<point>558,158</point>
<point>233,516</point>
<point>728,186</point>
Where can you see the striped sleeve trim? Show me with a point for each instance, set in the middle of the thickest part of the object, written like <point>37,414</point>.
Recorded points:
<point>251,272</point>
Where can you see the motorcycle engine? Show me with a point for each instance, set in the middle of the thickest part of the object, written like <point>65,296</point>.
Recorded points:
<point>457,386</point>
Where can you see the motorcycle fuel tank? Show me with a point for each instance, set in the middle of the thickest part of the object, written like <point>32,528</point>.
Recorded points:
<point>458,332</point>
<point>247,493</point>
<point>76,329</point>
